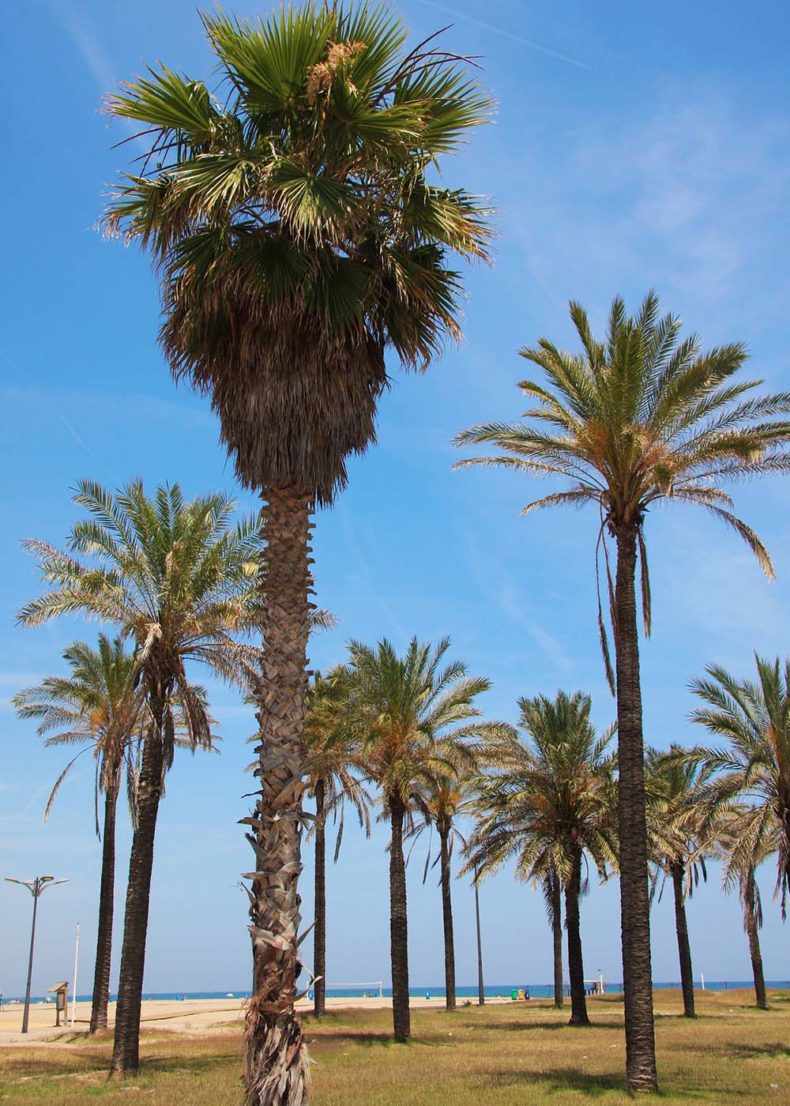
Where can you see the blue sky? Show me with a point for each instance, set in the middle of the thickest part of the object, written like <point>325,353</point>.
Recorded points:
<point>633,147</point>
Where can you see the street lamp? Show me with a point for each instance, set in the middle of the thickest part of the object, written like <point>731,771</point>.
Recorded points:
<point>36,887</point>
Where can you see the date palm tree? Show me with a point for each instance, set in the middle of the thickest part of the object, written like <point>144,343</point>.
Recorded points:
<point>176,579</point>
<point>548,801</point>
<point>678,820</point>
<point>742,847</point>
<point>639,419</point>
<point>300,234</point>
<point>100,706</point>
<point>332,758</point>
<point>443,801</point>
<point>754,767</point>
<point>416,718</point>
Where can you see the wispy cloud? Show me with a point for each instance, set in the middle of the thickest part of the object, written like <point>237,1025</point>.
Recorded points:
<point>504,33</point>
<point>696,192</point>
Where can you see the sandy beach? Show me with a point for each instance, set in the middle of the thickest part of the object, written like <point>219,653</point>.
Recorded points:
<point>180,1016</point>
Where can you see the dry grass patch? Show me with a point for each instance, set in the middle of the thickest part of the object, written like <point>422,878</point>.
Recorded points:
<point>731,1055</point>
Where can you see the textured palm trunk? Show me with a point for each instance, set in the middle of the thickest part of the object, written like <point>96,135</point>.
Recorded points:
<point>319,941</point>
<point>750,925</point>
<point>634,897</point>
<point>556,932</point>
<point>575,959</point>
<point>126,1048</point>
<point>447,917</point>
<point>276,1062</point>
<point>399,935</point>
<point>684,948</point>
<point>101,972</point>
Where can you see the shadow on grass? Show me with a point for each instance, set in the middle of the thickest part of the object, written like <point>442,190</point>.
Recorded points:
<point>525,1026</point>
<point>559,1079</point>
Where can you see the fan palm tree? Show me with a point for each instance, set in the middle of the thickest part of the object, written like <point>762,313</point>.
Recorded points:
<point>333,782</point>
<point>300,233</point>
<point>98,705</point>
<point>754,768</point>
<point>548,801</point>
<point>175,578</point>
<point>636,420</point>
<point>552,895</point>
<point>678,821</point>
<point>734,842</point>
<point>415,720</point>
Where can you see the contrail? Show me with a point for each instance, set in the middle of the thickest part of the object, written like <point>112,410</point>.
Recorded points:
<point>506,34</point>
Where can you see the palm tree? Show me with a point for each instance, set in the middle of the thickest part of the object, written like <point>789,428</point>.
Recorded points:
<point>175,578</point>
<point>754,717</point>
<point>548,801</point>
<point>99,705</point>
<point>300,234</point>
<point>735,845</point>
<point>552,895</point>
<point>678,816</point>
<point>445,799</point>
<point>636,420</point>
<point>415,721</point>
<point>331,762</point>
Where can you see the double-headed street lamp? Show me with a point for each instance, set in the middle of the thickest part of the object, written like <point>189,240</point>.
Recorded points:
<point>36,887</point>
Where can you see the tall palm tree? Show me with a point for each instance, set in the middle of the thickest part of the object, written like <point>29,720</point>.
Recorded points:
<point>443,801</point>
<point>98,705</point>
<point>548,800</point>
<point>332,758</point>
<point>741,856</point>
<point>415,720</point>
<point>678,818</point>
<point>300,233</point>
<point>552,895</point>
<point>639,419</point>
<point>754,717</point>
<point>175,578</point>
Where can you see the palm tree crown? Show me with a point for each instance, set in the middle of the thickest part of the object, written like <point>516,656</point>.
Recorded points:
<point>97,703</point>
<point>415,717</point>
<point>173,576</point>
<point>296,226</point>
<point>640,418</point>
<point>754,717</point>
<point>539,798</point>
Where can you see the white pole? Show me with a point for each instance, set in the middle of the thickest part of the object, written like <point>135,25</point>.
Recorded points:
<point>74,985</point>
<point>702,980</point>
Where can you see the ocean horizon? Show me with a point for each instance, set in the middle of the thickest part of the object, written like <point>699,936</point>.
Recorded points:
<point>503,990</point>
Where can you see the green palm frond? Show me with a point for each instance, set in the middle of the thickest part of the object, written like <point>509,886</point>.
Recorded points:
<point>297,219</point>
<point>639,418</point>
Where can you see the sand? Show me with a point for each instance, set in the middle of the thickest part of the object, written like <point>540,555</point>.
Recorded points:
<point>184,1016</point>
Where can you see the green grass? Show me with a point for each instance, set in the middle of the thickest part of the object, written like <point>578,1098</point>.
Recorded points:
<point>501,1056</point>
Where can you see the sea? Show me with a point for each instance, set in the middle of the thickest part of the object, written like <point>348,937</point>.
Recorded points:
<point>505,990</point>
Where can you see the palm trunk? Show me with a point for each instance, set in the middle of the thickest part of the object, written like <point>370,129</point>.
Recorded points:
<point>101,973</point>
<point>319,941</point>
<point>126,1049</point>
<point>684,948</point>
<point>276,1063</point>
<point>750,920</point>
<point>399,944</point>
<point>447,917</point>
<point>575,960</point>
<point>556,930</point>
<point>634,899</point>
<point>481,990</point>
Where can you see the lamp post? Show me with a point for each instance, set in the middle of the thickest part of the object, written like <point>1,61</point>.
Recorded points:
<point>36,887</point>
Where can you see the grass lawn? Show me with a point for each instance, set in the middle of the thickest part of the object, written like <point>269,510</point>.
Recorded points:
<point>500,1056</point>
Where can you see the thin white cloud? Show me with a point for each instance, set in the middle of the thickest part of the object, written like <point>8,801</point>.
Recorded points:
<point>691,199</point>
<point>504,33</point>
